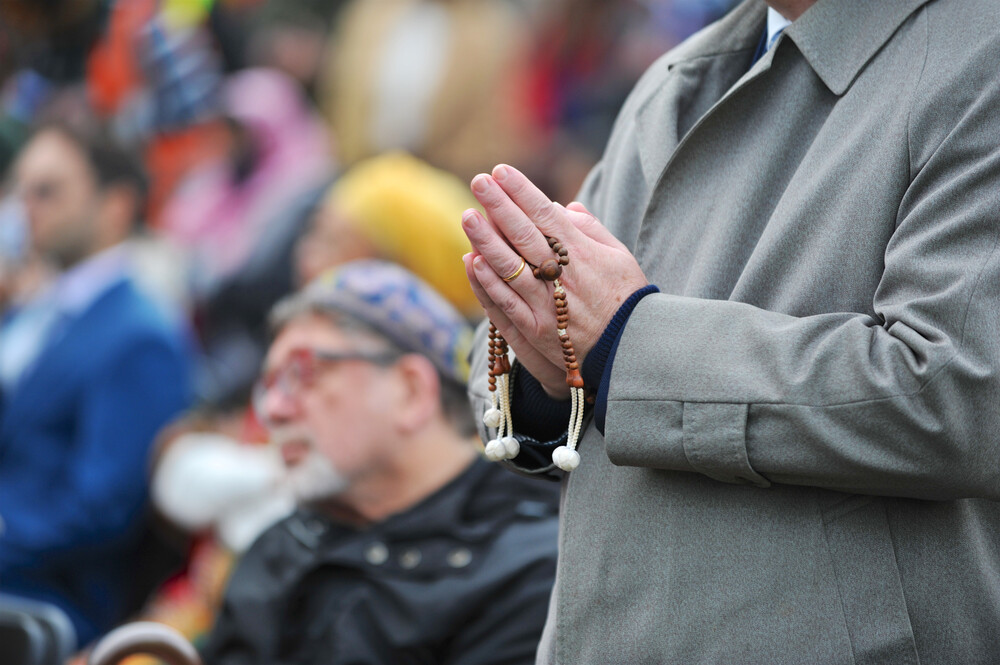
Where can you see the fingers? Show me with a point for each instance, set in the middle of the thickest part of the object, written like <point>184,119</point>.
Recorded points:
<point>509,220</point>
<point>477,288</point>
<point>503,297</point>
<point>548,217</point>
<point>549,374</point>
<point>521,212</point>
<point>503,260</point>
<point>493,311</point>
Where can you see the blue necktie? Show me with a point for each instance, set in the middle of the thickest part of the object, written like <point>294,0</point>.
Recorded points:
<point>764,45</point>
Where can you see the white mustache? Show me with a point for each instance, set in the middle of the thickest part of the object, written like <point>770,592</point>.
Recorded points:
<point>280,437</point>
<point>315,477</point>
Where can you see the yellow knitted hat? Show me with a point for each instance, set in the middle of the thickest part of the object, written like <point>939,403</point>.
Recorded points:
<point>412,213</point>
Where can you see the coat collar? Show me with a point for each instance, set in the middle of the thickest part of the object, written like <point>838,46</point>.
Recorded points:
<point>838,37</point>
<point>740,29</point>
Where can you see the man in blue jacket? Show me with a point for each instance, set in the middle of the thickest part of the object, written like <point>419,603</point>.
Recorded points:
<point>89,372</point>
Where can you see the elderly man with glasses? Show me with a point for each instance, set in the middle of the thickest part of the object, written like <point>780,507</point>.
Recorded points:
<point>407,546</point>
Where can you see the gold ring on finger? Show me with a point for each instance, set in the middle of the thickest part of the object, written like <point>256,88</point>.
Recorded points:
<point>514,275</point>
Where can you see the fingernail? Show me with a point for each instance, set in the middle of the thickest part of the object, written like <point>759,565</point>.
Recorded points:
<point>465,257</point>
<point>501,172</point>
<point>480,184</point>
<point>478,263</point>
<point>469,218</point>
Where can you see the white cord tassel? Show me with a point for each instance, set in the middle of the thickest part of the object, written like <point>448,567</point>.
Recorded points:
<point>566,457</point>
<point>510,445</point>
<point>495,449</point>
<point>504,446</point>
<point>493,417</point>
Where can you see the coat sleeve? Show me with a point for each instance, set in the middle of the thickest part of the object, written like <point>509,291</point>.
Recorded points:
<point>104,490</point>
<point>903,403</point>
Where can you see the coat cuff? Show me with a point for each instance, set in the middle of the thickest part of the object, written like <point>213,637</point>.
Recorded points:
<point>597,365</point>
<point>706,438</point>
<point>663,415</point>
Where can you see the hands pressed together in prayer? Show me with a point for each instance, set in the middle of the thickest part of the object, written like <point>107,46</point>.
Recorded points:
<point>601,274</point>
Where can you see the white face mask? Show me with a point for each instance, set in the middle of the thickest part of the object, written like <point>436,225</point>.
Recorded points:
<point>202,476</point>
<point>207,480</point>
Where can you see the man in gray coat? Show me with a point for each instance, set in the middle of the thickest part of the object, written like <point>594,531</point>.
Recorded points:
<point>794,455</point>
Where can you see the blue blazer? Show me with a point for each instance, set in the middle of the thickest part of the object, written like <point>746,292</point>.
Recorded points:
<point>75,435</point>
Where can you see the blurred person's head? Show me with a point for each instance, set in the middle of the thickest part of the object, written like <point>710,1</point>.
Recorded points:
<point>271,122</point>
<point>398,208</point>
<point>53,37</point>
<point>363,390</point>
<point>80,194</point>
<point>441,79</point>
<point>291,35</point>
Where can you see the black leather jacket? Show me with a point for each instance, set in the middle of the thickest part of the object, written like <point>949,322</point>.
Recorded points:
<point>463,577</point>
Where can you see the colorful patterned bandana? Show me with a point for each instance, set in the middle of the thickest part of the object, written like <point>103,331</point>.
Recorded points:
<point>400,306</point>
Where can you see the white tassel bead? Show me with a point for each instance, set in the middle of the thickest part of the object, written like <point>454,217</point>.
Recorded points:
<point>565,459</point>
<point>492,418</point>
<point>511,447</point>
<point>495,451</point>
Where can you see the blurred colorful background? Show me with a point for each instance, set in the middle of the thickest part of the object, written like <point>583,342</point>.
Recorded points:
<point>281,137</point>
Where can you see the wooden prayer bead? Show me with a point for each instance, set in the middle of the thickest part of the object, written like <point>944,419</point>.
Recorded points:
<point>573,379</point>
<point>550,270</point>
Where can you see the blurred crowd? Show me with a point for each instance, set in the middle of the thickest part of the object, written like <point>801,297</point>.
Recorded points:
<point>201,160</point>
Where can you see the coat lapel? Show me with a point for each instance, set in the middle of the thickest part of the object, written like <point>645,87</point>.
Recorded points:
<point>719,116</point>
<point>700,72</point>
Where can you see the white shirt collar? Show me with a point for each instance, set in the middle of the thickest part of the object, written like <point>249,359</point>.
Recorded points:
<point>775,24</point>
<point>82,284</point>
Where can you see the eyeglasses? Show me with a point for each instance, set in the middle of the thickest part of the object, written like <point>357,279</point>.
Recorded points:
<point>301,370</point>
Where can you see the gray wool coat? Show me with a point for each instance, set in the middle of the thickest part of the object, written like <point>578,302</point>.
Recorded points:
<point>801,460</point>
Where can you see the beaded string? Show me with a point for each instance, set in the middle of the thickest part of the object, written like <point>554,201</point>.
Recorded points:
<point>505,446</point>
